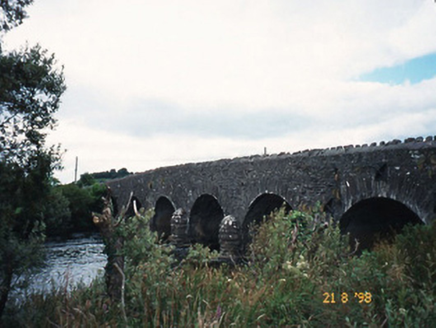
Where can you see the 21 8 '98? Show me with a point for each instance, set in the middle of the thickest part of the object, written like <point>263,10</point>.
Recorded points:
<point>332,298</point>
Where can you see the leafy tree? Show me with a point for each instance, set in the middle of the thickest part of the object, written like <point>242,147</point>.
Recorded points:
<point>57,214</point>
<point>30,89</point>
<point>69,208</point>
<point>97,192</point>
<point>86,179</point>
<point>80,201</point>
<point>122,172</point>
<point>12,13</point>
<point>112,174</point>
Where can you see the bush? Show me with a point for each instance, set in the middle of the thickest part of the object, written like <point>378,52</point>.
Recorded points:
<point>69,207</point>
<point>57,214</point>
<point>301,272</point>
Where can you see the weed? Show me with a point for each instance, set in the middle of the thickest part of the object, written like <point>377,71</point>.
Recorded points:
<point>301,273</point>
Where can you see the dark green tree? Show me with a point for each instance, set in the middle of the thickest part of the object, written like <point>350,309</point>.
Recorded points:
<point>12,13</point>
<point>57,214</point>
<point>80,201</point>
<point>31,85</point>
<point>86,179</point>
<point>69,209</point>
<point>122,172</point>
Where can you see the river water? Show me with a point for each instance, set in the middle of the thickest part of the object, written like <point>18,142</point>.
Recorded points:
<point>69,263</point>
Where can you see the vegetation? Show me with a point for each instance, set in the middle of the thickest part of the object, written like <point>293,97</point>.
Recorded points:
<point>31,205</point>
<point>90,178</point>
<point>12,13</point>
<point>69,208</point>
<point>301,273</point>
<point>31,85</point>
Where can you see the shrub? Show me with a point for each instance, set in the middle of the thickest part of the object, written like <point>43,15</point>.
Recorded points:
<point>301,272</point>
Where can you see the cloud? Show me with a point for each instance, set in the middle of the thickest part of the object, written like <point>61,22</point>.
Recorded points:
<point>149,80</point>
<point>228,53</point>
<point>336,105</point>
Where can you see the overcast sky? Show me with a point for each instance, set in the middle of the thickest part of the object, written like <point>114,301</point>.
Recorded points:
<point>157,83</point>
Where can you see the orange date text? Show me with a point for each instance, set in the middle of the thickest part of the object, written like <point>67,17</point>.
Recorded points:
<point>333,298</point>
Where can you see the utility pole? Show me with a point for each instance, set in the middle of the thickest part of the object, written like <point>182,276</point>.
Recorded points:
<point>75,170</point>
<point>264,151</point>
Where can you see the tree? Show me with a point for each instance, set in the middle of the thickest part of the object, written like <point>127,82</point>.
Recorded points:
<point>69,209</point>
<point>80,201</point>
<point>122,172</point>
<point>86,179</point>
<point>30,89</point>
<point>57,214</point>
<point>12,13</point>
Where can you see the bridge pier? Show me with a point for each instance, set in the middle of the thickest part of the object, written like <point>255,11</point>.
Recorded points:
<point>179,235</point>
<point>230,239</point>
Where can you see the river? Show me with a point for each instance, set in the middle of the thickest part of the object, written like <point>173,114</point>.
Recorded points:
<point>68,263</point>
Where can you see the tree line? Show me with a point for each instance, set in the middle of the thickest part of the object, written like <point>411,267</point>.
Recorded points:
<point>89,178</point>
<point>70,206</point>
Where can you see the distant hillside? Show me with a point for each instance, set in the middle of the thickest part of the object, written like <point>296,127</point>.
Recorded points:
<point>104,176</point>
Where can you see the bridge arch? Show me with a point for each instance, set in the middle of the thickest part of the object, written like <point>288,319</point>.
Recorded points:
<point>161,220</point>
<point>262,206</point>
<point>204,220</point>
<point>376,218</point>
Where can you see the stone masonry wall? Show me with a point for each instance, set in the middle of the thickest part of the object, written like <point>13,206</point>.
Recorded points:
<point>337,178</point>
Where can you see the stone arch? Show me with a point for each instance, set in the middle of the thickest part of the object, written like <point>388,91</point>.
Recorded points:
<point>399,186</point>
<point>204,220</point>
<point>161,220</point>
<point>376,218</point>
<point>262,206</point>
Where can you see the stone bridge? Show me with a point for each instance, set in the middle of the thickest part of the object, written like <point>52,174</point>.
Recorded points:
<point>368,189</point>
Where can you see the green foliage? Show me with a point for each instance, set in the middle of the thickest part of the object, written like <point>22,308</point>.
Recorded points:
<point>420,262</point>
<point>87,178</point>
<point>78,203</point>
<point>57,214</point>
<point>97,191</point>
<point>140,244</point>
<point>199,255</point>
<point>30,89</point>
<point>301,273</point>
<point>67,208</point>
<point>12,13</point>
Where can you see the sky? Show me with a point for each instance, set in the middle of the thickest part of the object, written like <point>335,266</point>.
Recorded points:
<point>157,83</point>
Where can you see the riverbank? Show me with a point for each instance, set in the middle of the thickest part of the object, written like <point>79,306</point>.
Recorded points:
<point>298,275</point>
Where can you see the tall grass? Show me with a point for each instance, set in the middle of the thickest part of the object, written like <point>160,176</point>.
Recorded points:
<point>298,265</point>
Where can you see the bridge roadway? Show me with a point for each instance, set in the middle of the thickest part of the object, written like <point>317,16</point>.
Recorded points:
<point>369,189</point>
